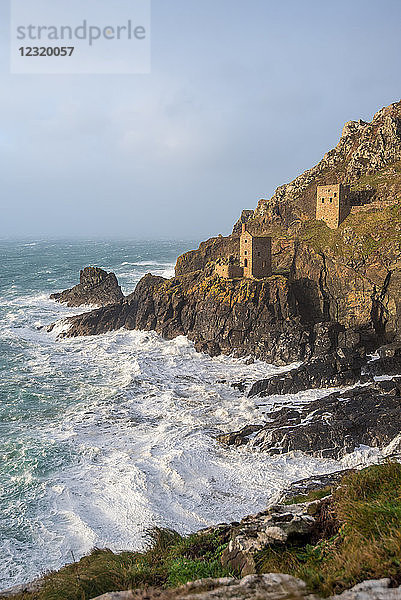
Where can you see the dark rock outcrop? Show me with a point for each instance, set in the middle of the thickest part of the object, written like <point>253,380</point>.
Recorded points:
<point>96,287</point>
<point>242,317</point>
<point>342,368</point>
<point>332,426</point>
<point>241,437</point>
<point>220,316</point>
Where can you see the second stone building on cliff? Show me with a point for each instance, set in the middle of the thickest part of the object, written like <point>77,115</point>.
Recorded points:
<point>255,258</point>
<point>332,204</point>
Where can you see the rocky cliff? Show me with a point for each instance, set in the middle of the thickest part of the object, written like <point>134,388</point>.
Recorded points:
<point>208,251</point>
<point>220,316</point>
<point>349,277</point>
<point>364,149</point>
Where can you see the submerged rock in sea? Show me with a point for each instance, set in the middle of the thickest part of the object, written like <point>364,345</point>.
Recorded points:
<point>96,287</point>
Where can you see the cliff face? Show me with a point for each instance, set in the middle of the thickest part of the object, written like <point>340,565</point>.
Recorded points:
<point>347,279</point>
<point>363,149</point>
<point>352,275</point>
<point>210,250</point>
<point>220,316</point>
<point>342,290</point>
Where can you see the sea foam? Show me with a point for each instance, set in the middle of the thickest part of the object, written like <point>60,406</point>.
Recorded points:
<point>104,437</point>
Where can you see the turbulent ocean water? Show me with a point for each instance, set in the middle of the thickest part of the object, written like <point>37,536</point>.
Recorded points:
<point>104,437</point>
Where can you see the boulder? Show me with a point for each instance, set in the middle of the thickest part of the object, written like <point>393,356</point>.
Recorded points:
<point>238,438</point>
<point>274,586</point>
<point>373,589</point>
<point>278,525</point>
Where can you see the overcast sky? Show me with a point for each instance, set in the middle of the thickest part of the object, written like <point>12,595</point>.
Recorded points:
<point>243,96</point>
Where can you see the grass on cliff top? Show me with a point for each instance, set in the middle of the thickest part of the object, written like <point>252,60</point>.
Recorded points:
<point>358,237</point>
<point>359,536</point>
<point>170,561</point>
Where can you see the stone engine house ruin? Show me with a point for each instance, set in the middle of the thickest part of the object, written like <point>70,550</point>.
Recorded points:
<point>332,204</point>
<point>255,258</point>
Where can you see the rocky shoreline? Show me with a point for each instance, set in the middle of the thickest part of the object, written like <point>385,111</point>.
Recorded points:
<point>333,304</point>
<point>330,427</point>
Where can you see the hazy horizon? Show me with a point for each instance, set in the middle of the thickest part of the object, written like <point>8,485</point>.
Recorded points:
<point>241,98</point>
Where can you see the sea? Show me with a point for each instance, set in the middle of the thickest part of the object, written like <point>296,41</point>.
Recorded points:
<point>103,438</point>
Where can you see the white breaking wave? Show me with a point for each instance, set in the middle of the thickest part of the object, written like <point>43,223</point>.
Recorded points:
<point>145,263</point>
<point>127,423</point>
<point>110,435</point>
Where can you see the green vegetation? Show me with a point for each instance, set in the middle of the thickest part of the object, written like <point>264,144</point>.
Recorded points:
<point>359,535</point>
<point>311,496</point>
<point>359,237</point>
<point>170,561</point>
<point>236,291</point>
